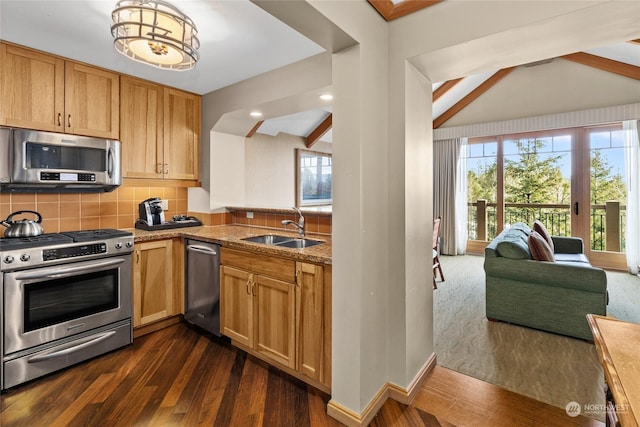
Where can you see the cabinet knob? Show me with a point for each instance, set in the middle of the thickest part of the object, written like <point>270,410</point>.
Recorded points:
<point>166,168</point>
<point>59,119</point>
<point>69,120</point>
<point>159,168</point>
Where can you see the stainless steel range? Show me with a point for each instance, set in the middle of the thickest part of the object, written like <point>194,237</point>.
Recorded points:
<point>65,298</point>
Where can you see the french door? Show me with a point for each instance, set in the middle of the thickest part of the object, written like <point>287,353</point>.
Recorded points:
<point>570,179</point>
<point>599,194</point>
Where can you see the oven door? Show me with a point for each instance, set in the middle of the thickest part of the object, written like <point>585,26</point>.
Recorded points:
<point>42,305</point>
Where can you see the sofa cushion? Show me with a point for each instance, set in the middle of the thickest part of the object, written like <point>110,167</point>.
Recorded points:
<point>540,250</point>
<point>514,246</point>
<point>542,230</point>
<point>572,258</point>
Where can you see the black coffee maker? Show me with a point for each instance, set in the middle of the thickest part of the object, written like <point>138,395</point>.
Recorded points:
<point>150,211</point>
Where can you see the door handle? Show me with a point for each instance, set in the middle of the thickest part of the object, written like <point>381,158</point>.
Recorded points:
<point>56,272</point>
<point>575,208</point>
<point>201,249</point>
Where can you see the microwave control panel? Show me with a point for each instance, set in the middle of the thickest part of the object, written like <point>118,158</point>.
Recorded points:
<point>67,177</point>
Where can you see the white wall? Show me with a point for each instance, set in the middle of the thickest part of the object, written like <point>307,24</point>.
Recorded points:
<point>557,87</point>
<point>269,169</point>
<point>227,171</point>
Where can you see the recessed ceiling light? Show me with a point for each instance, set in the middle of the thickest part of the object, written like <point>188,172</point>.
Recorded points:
<point>255,114</point>
<point>326,97</point>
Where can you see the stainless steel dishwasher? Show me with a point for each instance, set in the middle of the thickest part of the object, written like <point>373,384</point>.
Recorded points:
<point>202,290</point>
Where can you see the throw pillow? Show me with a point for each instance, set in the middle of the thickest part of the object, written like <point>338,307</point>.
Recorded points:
<point>540,250</point>
<point>542,230</point>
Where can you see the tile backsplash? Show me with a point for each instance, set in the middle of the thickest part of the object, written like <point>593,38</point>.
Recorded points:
<point>86,211</point>
<point>119,209</point>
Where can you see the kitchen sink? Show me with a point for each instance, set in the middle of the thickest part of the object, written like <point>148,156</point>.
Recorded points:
<point>284,241</point>
<point>299,243</point>
<point>268,239</point>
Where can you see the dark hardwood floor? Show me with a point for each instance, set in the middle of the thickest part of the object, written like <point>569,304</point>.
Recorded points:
<point>178,377</point>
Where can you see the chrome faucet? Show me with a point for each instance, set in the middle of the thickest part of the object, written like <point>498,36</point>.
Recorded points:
<point>299,224</point>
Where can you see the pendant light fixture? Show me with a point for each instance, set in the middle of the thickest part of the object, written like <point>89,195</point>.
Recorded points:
<point>155,32</point>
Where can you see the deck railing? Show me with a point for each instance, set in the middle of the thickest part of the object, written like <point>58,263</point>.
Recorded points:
<point>607,226</point>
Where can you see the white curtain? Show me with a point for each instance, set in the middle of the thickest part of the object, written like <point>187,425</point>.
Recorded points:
<point>461,199</point>
<point>446,187</point>
<point>632,163</point>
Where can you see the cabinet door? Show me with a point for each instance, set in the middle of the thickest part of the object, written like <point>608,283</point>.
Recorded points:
<point>236,305</point>
<point>309,319</point>
<point>153,282</point>
<point>31,89</point>
<point>181,134</point>
<point>92,98</point>
<point>274,304</point>
<point>141,128</point>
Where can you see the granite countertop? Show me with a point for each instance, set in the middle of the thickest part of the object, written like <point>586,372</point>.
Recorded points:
<point>230,236</point>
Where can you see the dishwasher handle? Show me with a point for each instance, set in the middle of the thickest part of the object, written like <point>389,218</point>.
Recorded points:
<point>202,249</point>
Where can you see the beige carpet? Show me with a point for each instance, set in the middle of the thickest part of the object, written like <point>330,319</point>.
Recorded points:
<point>547,367</point>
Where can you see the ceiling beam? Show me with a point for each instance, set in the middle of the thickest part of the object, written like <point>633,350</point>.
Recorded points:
<point>605,64</point>
<point>636,41</point>
<point>444,88</point>
<point>318,132</point>
<point>255,129</point>
<point>390,10</point>
<point>472,96</point>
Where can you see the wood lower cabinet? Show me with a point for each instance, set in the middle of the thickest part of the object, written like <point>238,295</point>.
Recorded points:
<point>159,131</point>
<point>158,286</point>
<point>309,319</point>
<point>46,92</point>
<point>236,304</point>
<point>276,309</point>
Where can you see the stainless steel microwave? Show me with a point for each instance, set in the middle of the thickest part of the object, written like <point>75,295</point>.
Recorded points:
<point>37,161</point>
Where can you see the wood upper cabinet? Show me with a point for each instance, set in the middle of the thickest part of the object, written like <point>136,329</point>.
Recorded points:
<point>141,128</point>
<point>159,130</point>
<point>278,308</point>
<point>156,290</point>
<point>181,134</point>
<point>32,89</point>
<point>45,92</point>
<point>91,101</point>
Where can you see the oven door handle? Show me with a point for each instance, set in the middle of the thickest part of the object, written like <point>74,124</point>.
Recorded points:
<point>93,340</point>
<point>65,271</point>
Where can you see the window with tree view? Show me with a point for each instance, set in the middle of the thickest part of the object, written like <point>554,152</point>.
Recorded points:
<point>537,182</point>
<point>558,177</point>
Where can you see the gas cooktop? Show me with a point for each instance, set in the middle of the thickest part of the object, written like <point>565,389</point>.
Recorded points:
<point>57,248</point>
<point>48,239</point>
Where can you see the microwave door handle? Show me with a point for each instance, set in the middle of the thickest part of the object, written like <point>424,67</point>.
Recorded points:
<point>57,272</point>
<point>92,341</point>
<point>110,163</point>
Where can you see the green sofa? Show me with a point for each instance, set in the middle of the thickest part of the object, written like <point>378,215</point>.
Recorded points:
<point>551,296</point>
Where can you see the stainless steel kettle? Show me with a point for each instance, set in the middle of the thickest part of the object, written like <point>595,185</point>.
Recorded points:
<point>23,227</point>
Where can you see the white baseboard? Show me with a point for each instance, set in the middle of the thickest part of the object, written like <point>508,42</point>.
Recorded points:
<point>388,390</point>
